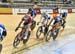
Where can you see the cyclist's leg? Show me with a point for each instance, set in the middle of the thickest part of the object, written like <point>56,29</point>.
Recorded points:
<point>23,29</point>
<point>43,24</point>
<point>43,21</point>
<point>28,29</point>
<point>56,24</point>
<point>25,32</point>
<point>46,26</point>
<point>29,26</point>
<point>64,21</point>
<point>55,27</point>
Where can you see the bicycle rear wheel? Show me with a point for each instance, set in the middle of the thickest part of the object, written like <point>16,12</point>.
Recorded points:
<point>39,31</point>
<point>48,35</point>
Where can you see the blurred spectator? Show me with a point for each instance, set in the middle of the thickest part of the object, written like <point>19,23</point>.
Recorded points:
<point>4,0</point>
<point>68,2</point>
<point>0,0</point>
<point>35,5</point>
<point>10,1</point>
<point>64,1</point>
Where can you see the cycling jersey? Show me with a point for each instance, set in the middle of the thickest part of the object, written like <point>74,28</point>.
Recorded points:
<point>33,12</point>
<point>58,19</point>
<point>46,16</point>
<point>2,28</point>
<point>55,15</point>
<point>27,20</point>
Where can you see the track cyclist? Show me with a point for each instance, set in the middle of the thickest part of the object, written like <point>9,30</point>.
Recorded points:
<point>27,21</point>
<point>64,15</point>
<point>45,18</point>
<point>32,12</point>
<point>57,24</point>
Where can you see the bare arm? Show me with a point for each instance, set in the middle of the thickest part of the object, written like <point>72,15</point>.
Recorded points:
<point>20,23</point>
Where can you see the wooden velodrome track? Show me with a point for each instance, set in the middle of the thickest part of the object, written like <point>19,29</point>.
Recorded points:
<point>11,22</point>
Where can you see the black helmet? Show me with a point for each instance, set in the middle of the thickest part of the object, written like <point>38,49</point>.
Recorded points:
<point>30,9</point>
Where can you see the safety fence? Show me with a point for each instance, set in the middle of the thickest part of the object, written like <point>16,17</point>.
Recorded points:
<point>16,11</point>
<point>39,11</point>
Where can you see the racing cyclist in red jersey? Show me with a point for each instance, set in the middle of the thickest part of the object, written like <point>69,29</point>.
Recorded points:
<point>27,21</point>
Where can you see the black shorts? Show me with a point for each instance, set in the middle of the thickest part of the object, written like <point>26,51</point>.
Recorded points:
<point>25,23</point>
<point>57,22</point>
<point>4,33</point>
<point>63,16</point>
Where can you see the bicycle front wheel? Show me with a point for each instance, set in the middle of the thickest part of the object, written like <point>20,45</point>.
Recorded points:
<point>39,31</point>
<point>16,41</point>
<point>48,35</point>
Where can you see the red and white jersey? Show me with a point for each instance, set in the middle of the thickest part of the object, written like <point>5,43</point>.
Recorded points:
<point>27,19</point>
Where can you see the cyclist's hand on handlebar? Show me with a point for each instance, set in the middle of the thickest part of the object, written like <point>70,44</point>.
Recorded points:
<point>16,29</point>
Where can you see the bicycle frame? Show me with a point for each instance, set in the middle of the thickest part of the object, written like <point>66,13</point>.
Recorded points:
<point>22,33</point>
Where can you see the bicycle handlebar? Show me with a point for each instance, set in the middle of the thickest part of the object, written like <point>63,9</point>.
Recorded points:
<point>17,28</point>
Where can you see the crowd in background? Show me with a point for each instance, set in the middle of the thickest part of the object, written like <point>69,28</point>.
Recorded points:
<point>67,2</point>
<point>64,3</point>
<point>5,1</point>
